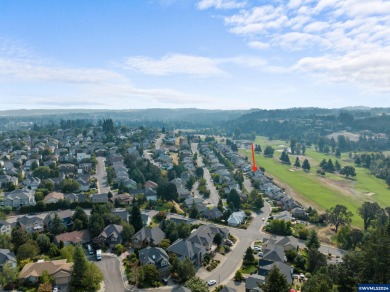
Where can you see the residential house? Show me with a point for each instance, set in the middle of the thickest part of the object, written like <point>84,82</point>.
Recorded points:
<point>71,197</point>
<point>5,227</point>
<point>7,179</point>
<point>30,224</point>
<point>236,218</point>
<point>125,199</point>
<point>31,182</point>
<point>212,214</point>
<point>299,213</point>
<point>64,215</point>
<point>53,197</point>
<point>112,234</point>
<point>253,282</point>
<point>99,198</point>
<point>19,198</point>
<point>205,234</point>
<point>150,184</point>
<point>183,248</point>
<point>74,237</point>
<point>6,256</point>
<point>122,213</point>
<point>59,269</point>
<point>158,257</point>
<point>147,236</point>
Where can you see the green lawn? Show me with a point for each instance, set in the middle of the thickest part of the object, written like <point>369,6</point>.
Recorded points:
<point>249,270</point>
<point>308,185</point>
<point>313,190</point>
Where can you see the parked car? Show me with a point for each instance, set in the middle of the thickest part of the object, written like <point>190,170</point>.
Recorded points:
<point>211,282</point>
<point>260,254</point>
<point>99,255</point>
<point>257,248</point>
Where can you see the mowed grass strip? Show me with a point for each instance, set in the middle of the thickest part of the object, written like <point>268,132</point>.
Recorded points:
<point>308,185</point>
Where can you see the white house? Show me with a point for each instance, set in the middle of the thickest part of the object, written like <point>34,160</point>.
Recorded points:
<point>236,218</point>
<point>5,227</point>
<point>81,156</point>
<point>19,198</point>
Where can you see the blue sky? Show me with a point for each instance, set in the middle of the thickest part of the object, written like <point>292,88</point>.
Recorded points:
<point>226,54</point>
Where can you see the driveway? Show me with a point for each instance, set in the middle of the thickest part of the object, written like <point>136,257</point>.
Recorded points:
<point>110,266</point>
<point>101,176</point>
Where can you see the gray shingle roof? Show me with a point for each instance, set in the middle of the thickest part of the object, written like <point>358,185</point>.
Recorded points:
<point>155,256</point>
<point>154,233</point>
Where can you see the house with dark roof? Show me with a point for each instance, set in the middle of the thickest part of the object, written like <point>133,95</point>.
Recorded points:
<point>99,198</point>
<point>30,224</point>
<point>6,256</point>
<point>122,213</point>
<point>212,214</point>
<point>147,236</point>
<point>158,257</point>
<point>183,249</point>
<point>112,234</point>
<point>253,282</point>
<point>205,234</point>
<point>65,215</point>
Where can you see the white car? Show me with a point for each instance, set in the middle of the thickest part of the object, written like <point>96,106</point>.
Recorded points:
<point>263,219</point>
<point>211,282</point>
<point>256,247</point>
<point>260,254</point>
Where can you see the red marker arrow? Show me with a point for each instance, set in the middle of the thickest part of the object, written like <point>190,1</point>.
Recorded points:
<point>254,167</point>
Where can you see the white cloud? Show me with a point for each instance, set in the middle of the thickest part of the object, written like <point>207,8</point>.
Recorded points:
<point>174,64</point>
<point>258,45</point>
<point>220,4</point>
<point>320,29</point>
<point>371,70</point>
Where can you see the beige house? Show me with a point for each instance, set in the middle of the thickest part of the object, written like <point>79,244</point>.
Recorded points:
<point>74,237</point>
<point>53,197</point>
<point>59,269</point>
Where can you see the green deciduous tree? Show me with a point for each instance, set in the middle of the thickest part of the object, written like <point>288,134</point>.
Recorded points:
<point>8,274</point>
<point>43,242</point>
<point>127,232</point>
<point>149,277</point>
<point>57,225</point>
<point>80,215</point>
<point>338,216</point>
<point>28,250</point>
<point>96,224</point>
<point>196,284</point>
<point>348,171</point>
<point>368,212</point>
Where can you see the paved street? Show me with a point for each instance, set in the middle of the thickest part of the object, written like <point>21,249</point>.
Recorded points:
<point>101,176</point>
<point>110,266</point>
<point>214,196</point>
<point>158,143</point>
<point>225,271</point>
